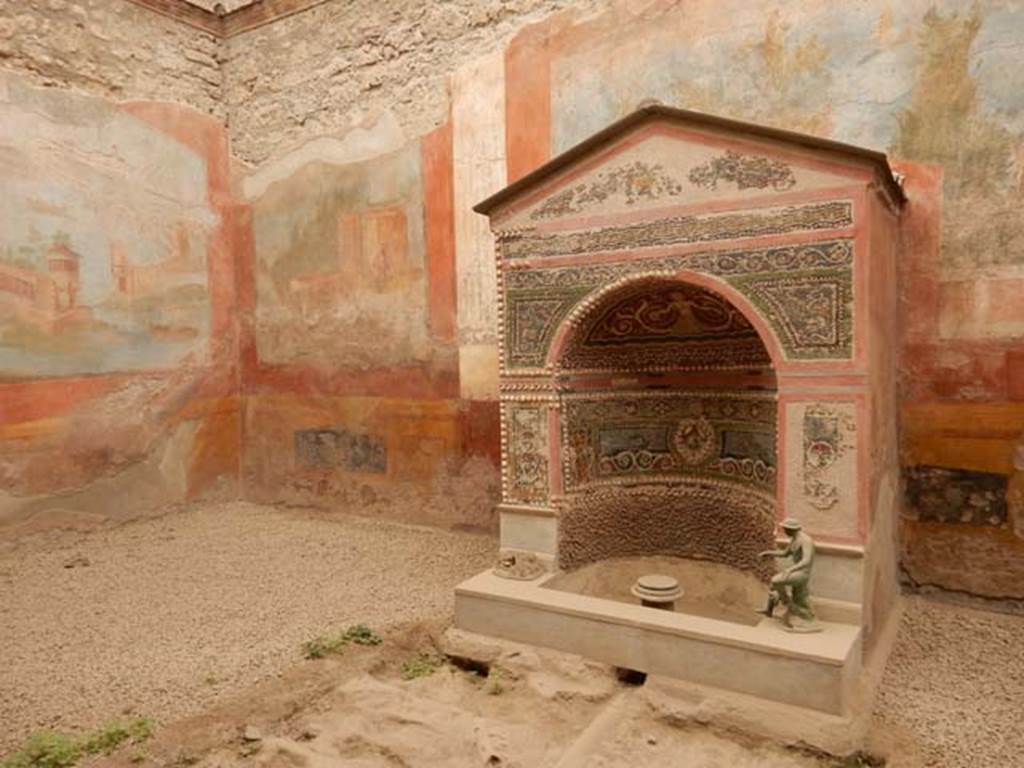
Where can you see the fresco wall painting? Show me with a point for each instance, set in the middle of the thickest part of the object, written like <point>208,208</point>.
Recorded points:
<point>352,381</point>
<point>111,349</point>
<point>106,229</point>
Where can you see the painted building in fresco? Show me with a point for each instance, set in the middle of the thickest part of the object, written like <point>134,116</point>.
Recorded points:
<point>43,292</point>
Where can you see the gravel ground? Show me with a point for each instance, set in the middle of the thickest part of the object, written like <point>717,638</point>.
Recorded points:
<point>955,681</point>
<point>163,616</point>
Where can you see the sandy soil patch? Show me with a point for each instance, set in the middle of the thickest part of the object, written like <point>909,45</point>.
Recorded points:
<point>532,709</point>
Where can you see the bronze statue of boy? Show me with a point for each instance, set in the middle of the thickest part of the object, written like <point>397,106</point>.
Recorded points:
<point>790,586</point>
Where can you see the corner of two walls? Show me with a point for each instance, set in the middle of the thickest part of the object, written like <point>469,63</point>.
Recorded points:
<point>370,369</point>
<point>287,333</point>
<point>369,349</point>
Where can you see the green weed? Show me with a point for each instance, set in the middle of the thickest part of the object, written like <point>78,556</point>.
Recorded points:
<point>46,749</point>
<point>113,735</point>
<point>421,665</point>
<point>327,645</point>
<point>360,634</point>
<point>49,749</point>
<point>322,646</point>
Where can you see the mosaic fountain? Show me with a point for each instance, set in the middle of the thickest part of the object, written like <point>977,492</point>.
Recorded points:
<point>697,329</point>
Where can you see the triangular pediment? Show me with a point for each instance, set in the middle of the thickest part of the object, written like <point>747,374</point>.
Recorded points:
<point>663,158</point>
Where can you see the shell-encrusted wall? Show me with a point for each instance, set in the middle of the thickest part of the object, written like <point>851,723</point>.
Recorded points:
<point>705,520</point>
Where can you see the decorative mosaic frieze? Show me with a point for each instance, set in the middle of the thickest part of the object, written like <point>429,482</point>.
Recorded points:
<point>525,452</point>
<point>785,258</point>
<point>783,281</point>
<point>745,171</point>
<point>713,355</point>
<point>614,438</point>
<point>680,229</point>
<point>633,182</point>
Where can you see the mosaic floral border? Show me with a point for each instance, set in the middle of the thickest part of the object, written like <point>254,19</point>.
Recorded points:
<point>678,230</point>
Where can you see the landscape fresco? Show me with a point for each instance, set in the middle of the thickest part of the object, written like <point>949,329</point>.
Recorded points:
<point>103,232</point>
<point>340,265</point>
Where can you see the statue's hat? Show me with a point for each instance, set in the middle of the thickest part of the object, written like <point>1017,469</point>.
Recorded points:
<point>791,524</point>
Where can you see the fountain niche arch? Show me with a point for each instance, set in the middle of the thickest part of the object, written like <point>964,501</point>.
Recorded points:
<point>667,421</point>
<point>696,331</point>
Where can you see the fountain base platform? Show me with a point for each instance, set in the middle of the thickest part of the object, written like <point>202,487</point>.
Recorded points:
<point>817,672</point>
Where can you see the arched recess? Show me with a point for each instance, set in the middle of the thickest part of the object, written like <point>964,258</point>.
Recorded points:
<point>667,424</point>
<point>709,282</point>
